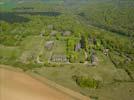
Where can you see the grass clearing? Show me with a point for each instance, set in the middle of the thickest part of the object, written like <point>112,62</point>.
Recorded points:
<point>9,52</point>
<point>31,47</point>
<point>105,72</point>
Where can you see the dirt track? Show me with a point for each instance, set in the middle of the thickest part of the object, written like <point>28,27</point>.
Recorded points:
<point>20,86</point>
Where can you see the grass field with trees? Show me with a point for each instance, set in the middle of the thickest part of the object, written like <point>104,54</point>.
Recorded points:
<point>87,46</point>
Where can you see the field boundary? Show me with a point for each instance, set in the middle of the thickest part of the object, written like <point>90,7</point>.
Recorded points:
<point>65,90</point>
<point>52,84</point>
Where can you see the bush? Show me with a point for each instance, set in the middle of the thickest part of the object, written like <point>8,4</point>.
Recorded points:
<point>83,81</point>
<point>46,64</point>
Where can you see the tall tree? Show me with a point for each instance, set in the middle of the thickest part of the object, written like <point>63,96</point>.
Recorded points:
<point>83,42</point>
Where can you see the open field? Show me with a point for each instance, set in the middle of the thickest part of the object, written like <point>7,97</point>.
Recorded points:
<point>63,76</point>
<point>24,87</point>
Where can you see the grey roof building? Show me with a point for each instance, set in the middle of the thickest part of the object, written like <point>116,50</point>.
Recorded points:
<point>59,58</point>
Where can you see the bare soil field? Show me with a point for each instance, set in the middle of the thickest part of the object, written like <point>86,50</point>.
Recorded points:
<point>19,86</point>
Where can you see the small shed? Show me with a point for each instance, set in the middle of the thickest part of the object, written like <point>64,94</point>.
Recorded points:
<point>105,51</point>
<point>66,33</point>
<point>77,46</point>
<point>49,45</point>
<point>53,33</point>
<point>59,58</point>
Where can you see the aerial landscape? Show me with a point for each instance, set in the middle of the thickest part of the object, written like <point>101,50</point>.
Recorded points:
<point>66,49</point>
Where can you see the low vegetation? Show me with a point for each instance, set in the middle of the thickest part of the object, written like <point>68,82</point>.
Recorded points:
<point>86,82</point>
<point>86,47</point>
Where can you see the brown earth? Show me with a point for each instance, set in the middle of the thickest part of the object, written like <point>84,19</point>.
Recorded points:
<point>19,86</point>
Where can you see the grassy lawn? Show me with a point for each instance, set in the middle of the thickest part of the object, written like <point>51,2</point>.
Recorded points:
<point>9,52</point>
<point>59,47</point>
<point>31,47</point>
<point>105,72</point>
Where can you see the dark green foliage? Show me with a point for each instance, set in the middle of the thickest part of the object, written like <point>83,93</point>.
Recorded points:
<point>8,39</point>
<point>26,67</point>
<point>94,97</point>
<point>83,42</point>
<point>17,64</point>
<point>71,54</point>
<point>124,62</point>
<point>111,15</point>
<point>85,82</point>
<point>46,64</point>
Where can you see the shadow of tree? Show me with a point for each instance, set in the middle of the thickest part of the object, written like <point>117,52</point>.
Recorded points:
<point>12,18</point>
<point>15,17</point>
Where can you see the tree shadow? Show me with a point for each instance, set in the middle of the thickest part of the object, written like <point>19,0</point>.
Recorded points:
<point>15,17</point>
<point>51,14</point>
<point>12,18</point>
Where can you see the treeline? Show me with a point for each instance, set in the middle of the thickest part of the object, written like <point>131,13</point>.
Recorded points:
<point>13,33</point>
<point>114,16</point>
